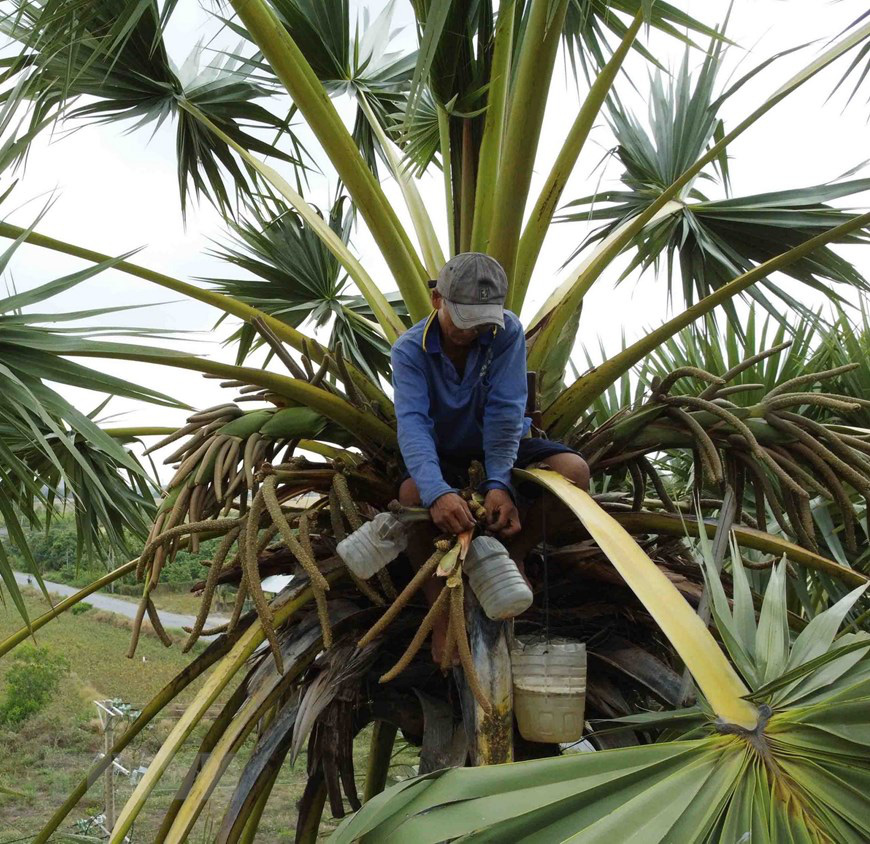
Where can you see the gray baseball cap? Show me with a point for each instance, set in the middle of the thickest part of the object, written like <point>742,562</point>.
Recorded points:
<point>474,286</point>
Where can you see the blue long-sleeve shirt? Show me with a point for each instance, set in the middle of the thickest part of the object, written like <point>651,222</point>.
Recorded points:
<point>439,413</point>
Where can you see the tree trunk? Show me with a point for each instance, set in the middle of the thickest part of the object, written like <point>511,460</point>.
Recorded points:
<point>490,737</point>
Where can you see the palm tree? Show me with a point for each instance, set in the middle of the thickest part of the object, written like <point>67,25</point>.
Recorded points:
<point>716,424</point>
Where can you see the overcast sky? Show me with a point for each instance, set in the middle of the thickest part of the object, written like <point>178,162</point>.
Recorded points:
<point>115,192</point>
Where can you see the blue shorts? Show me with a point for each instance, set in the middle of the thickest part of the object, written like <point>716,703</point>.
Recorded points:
<point>454,465</point>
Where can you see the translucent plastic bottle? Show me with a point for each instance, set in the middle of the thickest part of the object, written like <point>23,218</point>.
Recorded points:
<point>496,580</point>
<point>378,542</point>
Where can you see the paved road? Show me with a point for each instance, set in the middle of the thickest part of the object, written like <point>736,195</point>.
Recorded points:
<point>128,608</point>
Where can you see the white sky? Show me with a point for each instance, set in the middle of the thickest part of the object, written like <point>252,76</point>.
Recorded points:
<point>116,192</point>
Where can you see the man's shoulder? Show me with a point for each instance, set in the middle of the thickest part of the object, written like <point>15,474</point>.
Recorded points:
<point>513,328</point>
<point>512,322</point>
<point>411,340</point>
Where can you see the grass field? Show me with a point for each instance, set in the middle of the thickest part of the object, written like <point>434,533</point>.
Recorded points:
<point>45,757</point>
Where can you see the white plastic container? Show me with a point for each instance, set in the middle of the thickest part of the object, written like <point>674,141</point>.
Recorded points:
<point>549,680</point>
<point>378,542</point>
<point>496,580</point>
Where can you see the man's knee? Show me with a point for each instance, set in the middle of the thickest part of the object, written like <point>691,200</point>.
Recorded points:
<point>571,466</point>
<point>409,495</point>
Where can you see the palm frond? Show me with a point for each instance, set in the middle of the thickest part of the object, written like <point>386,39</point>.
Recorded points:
<point>350,58</point>
<point>707,242</point>
<point>78,62</point>
<point>590,25</point>
<point>847,339</point>
<point>297,279</point>
<point>861,63</point>
<point>707,785</point>
<point>51,453</point>
<point>741,369</point>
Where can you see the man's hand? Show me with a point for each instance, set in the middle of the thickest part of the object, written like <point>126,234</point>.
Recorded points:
<point>502,517</point>
<point>451,514</point>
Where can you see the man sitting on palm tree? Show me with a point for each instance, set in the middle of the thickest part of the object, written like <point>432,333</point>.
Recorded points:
<point>459,378</point>
<point>459,381</point>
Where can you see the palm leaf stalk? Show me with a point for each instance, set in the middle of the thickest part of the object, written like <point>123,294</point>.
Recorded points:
<point>214,652</point>
<point>679,428</point>
<point>227,304</point>
<point>296,74</point>
<point>388,319</point>
<point>34,624</point>
<point>49,445</point>
<point>542,214</point>
<point>537,55</point>
<point>571,293</point>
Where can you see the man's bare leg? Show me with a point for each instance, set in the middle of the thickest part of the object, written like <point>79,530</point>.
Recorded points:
<point>574,468</point>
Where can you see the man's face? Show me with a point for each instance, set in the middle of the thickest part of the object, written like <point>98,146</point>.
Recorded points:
<point>457,336</point>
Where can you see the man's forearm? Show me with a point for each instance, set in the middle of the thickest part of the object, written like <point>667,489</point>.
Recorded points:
<point>430,483</point>
<point>500,454</point>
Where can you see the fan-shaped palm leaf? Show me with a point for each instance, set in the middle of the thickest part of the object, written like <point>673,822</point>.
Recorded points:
<point>588,23</point>
<point>298,279</point>
<point>80,62</point>
<point>560,307</point>
<point>49,451</point>
<point>713,240</point>
<point>787,779</point>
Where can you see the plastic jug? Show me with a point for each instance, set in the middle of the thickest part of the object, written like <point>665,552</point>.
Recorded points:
<point>496,580</point>
<point>549,689</point>
<point>378,542</point>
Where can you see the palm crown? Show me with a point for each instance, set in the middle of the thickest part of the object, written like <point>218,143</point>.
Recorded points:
<point>726,422</point>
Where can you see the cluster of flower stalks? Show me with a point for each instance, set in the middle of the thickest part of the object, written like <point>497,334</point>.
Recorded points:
<point>768,453</point>
<point>201,503</point>
<point>227,486</point>
<point>237,479</point>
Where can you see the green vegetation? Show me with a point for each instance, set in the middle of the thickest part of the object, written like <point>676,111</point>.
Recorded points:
<point>747,424</point>
<point>31,682</point>
<point>45,756</point>
<point>55,552</point>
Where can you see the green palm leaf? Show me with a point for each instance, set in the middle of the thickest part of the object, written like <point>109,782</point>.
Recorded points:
<point>708,241</point>
<point>52,454</point>
<point>297,279</point>
<point>847,338</point>
<point>83,63</point>
<point>469,98</point>
<point>861,63</point>
<point>791,779</point>
<point>589,24</point>
<point>351,58</point>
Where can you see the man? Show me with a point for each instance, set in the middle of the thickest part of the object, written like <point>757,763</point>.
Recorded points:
<point>459,380</point>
